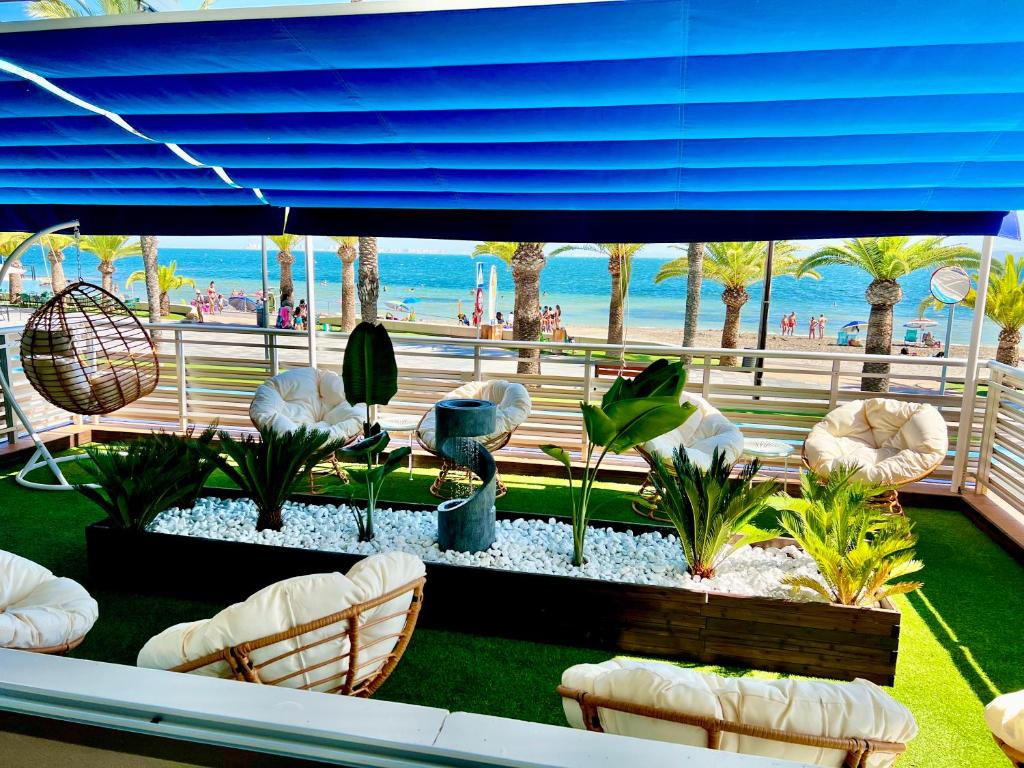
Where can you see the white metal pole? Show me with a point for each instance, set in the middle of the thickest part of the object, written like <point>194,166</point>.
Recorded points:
<point>310,313</point>
<point>945,349</point>
<point>963,440</point>
<point>263,267</point>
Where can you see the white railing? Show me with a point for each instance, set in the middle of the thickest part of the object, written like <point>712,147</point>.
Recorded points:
<point>210,372</point>
<point>1001,462</point>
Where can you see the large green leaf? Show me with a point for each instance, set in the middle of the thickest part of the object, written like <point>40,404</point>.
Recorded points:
<point>369,369</point>
<point>368,445</point>
<point>559,454</point>
<point>637,421</point>
<point>600,429</point>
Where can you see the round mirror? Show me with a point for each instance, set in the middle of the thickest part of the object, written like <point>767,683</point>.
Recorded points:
<point>950,285</point>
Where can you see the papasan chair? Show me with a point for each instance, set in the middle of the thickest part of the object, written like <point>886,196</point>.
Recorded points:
<point>698,437</point>
<point>41,612</point>
<point>326,632</point>
<point>892,442</point>
<point>514,406</point>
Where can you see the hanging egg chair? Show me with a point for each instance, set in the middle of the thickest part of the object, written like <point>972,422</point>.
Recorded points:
<point>85,352</point>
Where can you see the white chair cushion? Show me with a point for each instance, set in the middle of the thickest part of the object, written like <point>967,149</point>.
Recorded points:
<point>38,609</point>
<point>1005,718</point>
<point>891,441</point>
<point>699,436</point>
<point>859,709</point>
<point>513,409</point>
<point>309,397</point>
<point>287,604</point>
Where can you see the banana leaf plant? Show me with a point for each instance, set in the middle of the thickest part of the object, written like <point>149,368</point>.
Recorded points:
<point>369,370</point>
<point>630,414</point>
<point>366,450</point>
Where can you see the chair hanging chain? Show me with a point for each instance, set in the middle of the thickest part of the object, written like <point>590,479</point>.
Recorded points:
<point>78,250</point>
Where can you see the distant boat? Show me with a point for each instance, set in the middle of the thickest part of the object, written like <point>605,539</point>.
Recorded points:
<point>243,303</point>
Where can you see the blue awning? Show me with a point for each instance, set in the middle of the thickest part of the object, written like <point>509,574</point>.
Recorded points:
<point>650,120</point>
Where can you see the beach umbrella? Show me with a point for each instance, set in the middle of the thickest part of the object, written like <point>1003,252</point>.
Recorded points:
<point>492,294</point>
<point>410,300</point>
<point>920,322</point>
<point>397,305</point>
<point>855,324</point>
<point>478,302</point>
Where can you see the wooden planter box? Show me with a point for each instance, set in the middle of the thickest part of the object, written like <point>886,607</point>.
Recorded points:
<point>814,639</point>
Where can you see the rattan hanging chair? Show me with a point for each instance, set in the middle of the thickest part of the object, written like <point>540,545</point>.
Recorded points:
<point>85,352</point>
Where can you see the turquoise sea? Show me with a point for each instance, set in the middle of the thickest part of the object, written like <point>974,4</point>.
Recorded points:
<point>580,284</point>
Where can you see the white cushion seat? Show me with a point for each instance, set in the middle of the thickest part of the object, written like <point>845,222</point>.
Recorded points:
<point>307,397</point>
<point>859,710</point>
<point>513,408</point>
<point>892,442</point>
<point>699,436</point>
<point>40,611</point>
<point>1005,718</point>
<point>317,659</point>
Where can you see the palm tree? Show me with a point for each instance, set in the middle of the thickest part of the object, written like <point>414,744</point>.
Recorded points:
<point>347,254</point>
<point>55,245</point>
<point>168,280</point>
<point>886,259</point>
<point>285,259</point>
<point>620,267</point>
<point>151,274</point>
<point>70,9</point>
<point>526,260</point>
<point>1004,305</point>
<point>9,241</point>
<point>369,279</point>
<point>108,249</point>
<point>694,278</point>
<point>736,267</point>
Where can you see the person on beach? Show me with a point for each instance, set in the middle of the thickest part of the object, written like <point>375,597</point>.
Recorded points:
<point>211,294</point>
<point>792,323</point>
<point>783,324</point>
<point>301,316</point>
<point>822,320</point>
<point>499,320</point>
<point>284,317</point>
<point>812,327</point>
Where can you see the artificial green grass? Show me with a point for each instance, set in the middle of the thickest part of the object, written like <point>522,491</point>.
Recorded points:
<point>961,643</point>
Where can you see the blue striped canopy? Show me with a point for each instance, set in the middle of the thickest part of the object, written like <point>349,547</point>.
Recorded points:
<point>640,120</point>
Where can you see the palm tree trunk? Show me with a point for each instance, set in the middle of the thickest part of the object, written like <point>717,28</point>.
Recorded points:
<point>616,320</point>
<point>369,279</point>
<point>15,279</point>
<point>694,278</point>
<point>527,262</point>
<point>882,295</point>
<point>106,269</point>
<point>57,280</point>
<point>165,303</point>
<point>734,299</point>
<point>285,261</point>
<point>1007,353</point>
<point>348,287</point>
<point>149,264</point>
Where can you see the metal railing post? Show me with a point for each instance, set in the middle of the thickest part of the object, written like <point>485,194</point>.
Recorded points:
<point>705,384</point>
<point>275,366</point>
<point>833,390</point>
<point>988,430</point>
<point>588,385</point>
<point>478,371</point>
<point>181,380</point>
<point>12,436</point>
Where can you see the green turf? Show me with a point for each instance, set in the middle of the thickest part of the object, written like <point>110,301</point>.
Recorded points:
<point>961,642</point>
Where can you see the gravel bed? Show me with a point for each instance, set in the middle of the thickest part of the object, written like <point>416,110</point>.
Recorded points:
<point>531,546</point>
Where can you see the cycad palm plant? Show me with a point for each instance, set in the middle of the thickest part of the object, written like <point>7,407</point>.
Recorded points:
<point>526,260</point>
<point>1004,305</point>
<point>285,259</point>
<point>860,550</point>
<point>886,260</point>
<point>712,512</point>
<point>347,254</point>
<point>736,267</point>
<point>620,267</point>
<point>9,241</point>
<point>108,249</point>
<point>168,280</point>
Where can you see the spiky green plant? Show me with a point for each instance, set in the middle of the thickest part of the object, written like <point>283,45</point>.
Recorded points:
<point>139,479</point>
<point>712,512</point>
<point>269,469</point>
<point>860,551</point>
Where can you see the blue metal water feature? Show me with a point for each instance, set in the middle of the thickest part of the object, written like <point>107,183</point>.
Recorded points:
<point>467,525</point>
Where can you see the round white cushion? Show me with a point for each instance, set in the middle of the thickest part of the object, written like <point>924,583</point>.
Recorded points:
<point>1005,718</point>
<point>513,409</point>
<point>891,441</point>
<point>306,397</point>
<point>699,436</point>
<point>859,709</point>
<point>38,609</point>
<point>287,604</point>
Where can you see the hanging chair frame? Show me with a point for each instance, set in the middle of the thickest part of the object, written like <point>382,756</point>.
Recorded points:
<point>42,456</point>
